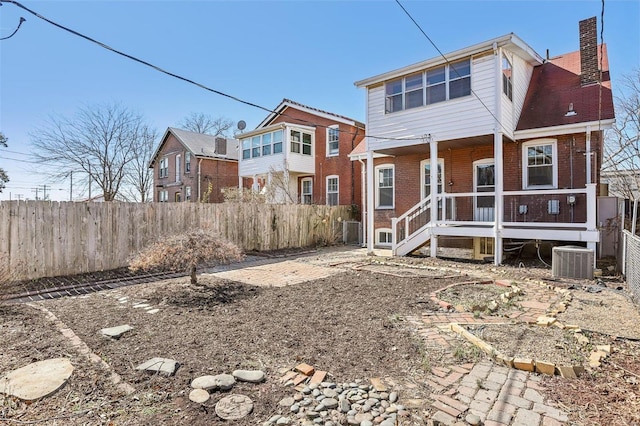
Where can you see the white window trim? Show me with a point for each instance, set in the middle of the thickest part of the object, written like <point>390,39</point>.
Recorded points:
<point>509,79</point>
<point>187,193</point>
<point>377,240</point>
<point>423,163</point>
<point>302,193</point>
<point>187,162</point>
<point>178,167</point>
<point>525,163</point>
<point>377,187</point>
<point>336,192</point>
<point>333,127</point>
<point>164,171</point>
<point>301,144</point>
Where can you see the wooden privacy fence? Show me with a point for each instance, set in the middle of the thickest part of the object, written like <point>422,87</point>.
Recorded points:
<point>44,239</point>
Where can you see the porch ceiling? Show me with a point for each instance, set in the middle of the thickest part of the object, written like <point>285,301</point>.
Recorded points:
<point>423,148</point>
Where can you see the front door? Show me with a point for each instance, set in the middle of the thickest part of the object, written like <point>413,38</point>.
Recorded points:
<point>484,181</point>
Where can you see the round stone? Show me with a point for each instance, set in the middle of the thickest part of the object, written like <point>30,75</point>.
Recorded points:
<point>393,396</point>
<point>199,396</point>
<point>221,381</point>
<point>234,407</point>
<point>472,419</point>
<point>330,393</point>
<point>37,380</point>
<point>287,401</point>
<point>330,403</point>
<point>250,376</point>
<point>283,421</point>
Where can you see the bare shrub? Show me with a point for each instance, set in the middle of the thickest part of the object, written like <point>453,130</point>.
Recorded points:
<point>186,252</point>
<point>242,195</point>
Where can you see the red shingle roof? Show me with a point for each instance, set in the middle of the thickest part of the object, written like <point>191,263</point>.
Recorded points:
<point>556,84</point>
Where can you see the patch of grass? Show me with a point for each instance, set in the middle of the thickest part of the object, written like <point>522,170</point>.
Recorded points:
<point>463,353</point>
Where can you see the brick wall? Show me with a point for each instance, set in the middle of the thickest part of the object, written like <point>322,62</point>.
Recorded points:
<point>220,173</point>
<point>340,165</point>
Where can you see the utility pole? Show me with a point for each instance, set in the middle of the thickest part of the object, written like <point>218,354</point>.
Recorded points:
<point>89,181</point>
<point>44,192</point>
<point>36,189</point>
<point>71,185</point>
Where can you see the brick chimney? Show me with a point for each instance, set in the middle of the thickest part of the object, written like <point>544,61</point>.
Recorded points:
<point>589,71</point>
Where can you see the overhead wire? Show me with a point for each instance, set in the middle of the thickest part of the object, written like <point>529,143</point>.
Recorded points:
<point>449,63</point>
<point>188,80</point>
<point>14,31</point>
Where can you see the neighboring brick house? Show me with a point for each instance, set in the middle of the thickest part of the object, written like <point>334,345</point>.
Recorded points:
<point>189,166</point>
<point>513,141</point>
<point>299,154</point>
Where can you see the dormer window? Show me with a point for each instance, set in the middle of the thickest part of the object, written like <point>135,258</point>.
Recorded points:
<point>429,87</point>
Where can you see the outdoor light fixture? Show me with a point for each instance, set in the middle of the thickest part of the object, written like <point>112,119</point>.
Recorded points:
<point>571,112</point>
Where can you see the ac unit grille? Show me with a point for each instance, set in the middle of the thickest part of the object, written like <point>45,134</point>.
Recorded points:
<point>572,262</point>
<point>351,232</point>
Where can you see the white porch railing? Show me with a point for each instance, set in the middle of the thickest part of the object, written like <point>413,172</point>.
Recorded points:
<point>569,214</point>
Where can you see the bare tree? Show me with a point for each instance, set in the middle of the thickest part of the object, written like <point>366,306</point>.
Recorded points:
<point>4,177</point>
<point>101,140</point>
<point>139,178</point>
<point>622,161</point>
<point>186,252</point>
<point>207,124</point>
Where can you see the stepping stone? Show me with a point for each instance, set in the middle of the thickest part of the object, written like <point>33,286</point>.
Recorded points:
<point>234,407</point>
<point>37,380</point>
<point>116,332</point>
<point>221,381</point>
<point>164,366</point>
<point>199,396</point>
<point>251,376</point>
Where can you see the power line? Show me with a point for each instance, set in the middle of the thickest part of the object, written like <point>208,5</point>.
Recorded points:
<point>14,152</point>
<point>21,161</point>
<point>186,80</point>
<point>449,63</point>
<point>14,31</point>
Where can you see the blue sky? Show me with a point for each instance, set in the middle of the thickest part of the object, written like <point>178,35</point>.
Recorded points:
<point>260,51</point>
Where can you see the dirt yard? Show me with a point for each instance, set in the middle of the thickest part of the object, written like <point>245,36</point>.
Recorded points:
<point>350,323</point>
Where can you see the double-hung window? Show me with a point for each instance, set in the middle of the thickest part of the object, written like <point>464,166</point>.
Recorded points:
<point>261,145</point>
<point>333,190</point>
<point>306,196</point>
<point>277,142</point>
<point>333,141</point>
<point>187,162</point>
<point>266,144</point>
<point>434,85</point>
<point>255,146</point>
<point>187,193</point>
<point>384,186</point>
<point>540,162</point>
<point>163,171</point>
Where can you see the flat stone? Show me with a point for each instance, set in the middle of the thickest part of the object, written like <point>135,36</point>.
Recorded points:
<point>163,366</point>
<point>545,368</point>
<point>284,402</point>
<point>37,380</point>
<point>234,407</point>
<point>251,376</point>
<point>220,381</point>
<point>199,396</point>
<point>472,419</point>
<point>153,311</point>
<point>116,332</point>
<point>330,403</point>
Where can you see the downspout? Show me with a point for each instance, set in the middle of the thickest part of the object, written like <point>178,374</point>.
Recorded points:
<point>588,149</point>
<point>363,201</point>
<point>370,205</point>
<point>199,177</point>
<point>353,184</point>
<point>498,159</point>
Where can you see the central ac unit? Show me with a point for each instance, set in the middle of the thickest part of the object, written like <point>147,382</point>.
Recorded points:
<point>572,262</point>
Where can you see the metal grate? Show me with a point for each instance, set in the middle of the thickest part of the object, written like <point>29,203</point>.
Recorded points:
<point>631,263</point>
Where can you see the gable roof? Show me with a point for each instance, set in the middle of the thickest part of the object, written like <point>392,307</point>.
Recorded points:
<point>199,144</point>
<point>288,103</point>
<point>556,84</point>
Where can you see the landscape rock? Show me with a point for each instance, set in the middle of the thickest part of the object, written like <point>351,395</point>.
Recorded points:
<point>37,380</point>
<point>199,396</point>
<point>234,407</point>
<point>164,366</point>
<point>217,382</point>
<point>116,332</point>
<point>250,376</point>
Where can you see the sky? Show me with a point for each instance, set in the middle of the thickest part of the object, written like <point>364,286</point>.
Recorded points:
<point>259,51</point>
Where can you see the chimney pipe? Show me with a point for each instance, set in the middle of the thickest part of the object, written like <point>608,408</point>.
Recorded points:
<point>589,71</point>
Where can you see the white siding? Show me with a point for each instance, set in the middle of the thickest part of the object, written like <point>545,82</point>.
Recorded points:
<point>521,75</point>
<point>458,118</point>
<point>261,165</point>
<point>301,163</point>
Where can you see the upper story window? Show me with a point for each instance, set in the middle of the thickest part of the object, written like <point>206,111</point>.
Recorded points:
<point>507,84</point>
<point>333,141</point>
<point>261,145</point>
<point>540,164</point>
<point>300,142</point>
<point>163,170</point>
<point>187,162</point>
<point>384,186</point>
<point>306,196</point>
<point>178,159</point>
<point>333,189</point>
<point>431,86</point>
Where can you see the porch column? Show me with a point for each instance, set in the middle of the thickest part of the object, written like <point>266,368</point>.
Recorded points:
<point>588,154</point>
<point>433,176</point>
<point>370,204</point>
<point>498,160</point>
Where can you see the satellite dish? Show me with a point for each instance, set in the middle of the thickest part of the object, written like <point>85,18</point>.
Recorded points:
<point>241,125</point>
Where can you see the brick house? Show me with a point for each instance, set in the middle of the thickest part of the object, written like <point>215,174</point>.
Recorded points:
<point>189,166</point>
<point>300,154</point>
<point>492,145</point>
